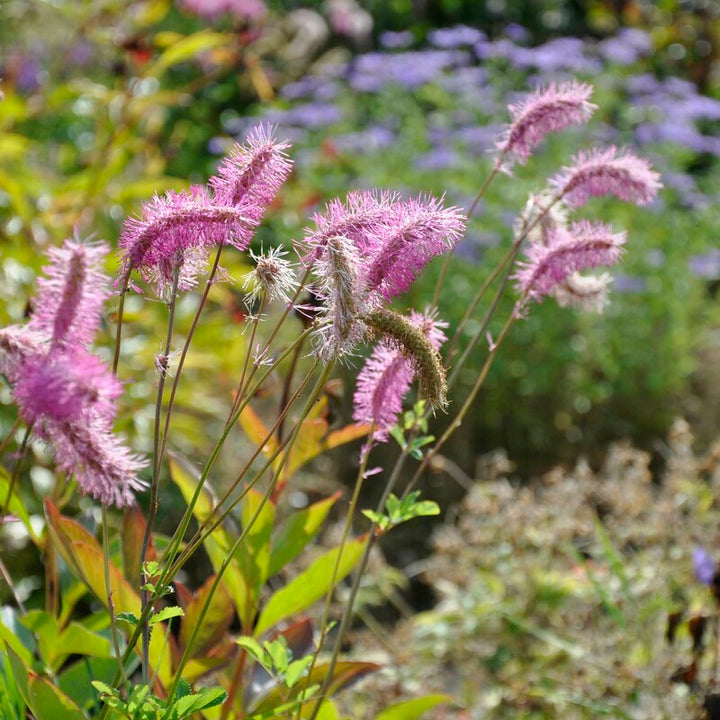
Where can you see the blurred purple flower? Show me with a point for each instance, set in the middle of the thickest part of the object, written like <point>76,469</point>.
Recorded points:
<point>441,158</point>
<point>629,284</point>
<point>707,265</point>
<point>454,37</point>
<point>372,139</point>
<point>213,9</point>
<point>704,566</point>
<point>396,40</point>
<point>627,46</point>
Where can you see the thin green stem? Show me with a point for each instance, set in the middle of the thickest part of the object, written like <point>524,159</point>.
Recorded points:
<point>287,385</point>
<point>460,415</point>
<point>16,471</point>
<point>155,484</point>
<point>446,262</point>
<point>210,523</point>
<point>178,535</point>
<point>108,592</point>
<point>347,613</point>
<point>248,352</point>
<point>236,545</point>
<point>120,315</point>
<point>11,434</point>
<point>346,532</point>
<point>183,354</point>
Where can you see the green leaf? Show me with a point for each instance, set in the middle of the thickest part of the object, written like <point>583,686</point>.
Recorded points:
<point>75,681</point>
<point>49,702</point>
<point>188,48</point>
<point>254,553</point>
<point>166,614</point>
<point>297,531</point>
<point>310,585</point>
<point>296,669</point>
<point>253,648</point>
<point>216,622</point>
<point>277,649</point>
<point>15,506</point>
<point>206,698</point>
<point>412,709</point>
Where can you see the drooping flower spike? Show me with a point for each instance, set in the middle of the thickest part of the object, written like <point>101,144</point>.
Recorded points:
<point>388,374</point>
<point>544,111</point>
<point>66,393</point>
<point>369,250</point>
<point>584,292</point>
<point>582,246</point>
<point>607,172</point>
<point>175,232</point>
<point>68,307</point>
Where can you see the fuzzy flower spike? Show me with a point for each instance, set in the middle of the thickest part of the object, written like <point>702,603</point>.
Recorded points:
<point>65,392</point>
<point>544,111</point>
<point>369,250</point>
<point>176,231</point>
<point>387,376</point>
<point>607,172</point>
<point>582,246</point>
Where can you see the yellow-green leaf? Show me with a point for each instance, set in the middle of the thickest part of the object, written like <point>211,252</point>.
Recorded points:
<point>310,585</point>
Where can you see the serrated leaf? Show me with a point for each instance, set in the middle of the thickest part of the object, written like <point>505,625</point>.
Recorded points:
<point>296,669</point>
<point>309,586</point>
<point>206,698</point>
<point>253,648</point>
<point>166,614</point>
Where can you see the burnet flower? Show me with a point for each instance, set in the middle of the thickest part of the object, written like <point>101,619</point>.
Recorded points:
<point>607,172</point>
<point>65,392</point>
<point>389,372</point>
<point>544,111</point>
<point>273,276</point>
<point>557,251</point>
<point>174,232</point>
<point>367,251</point>
<point>582,246</point>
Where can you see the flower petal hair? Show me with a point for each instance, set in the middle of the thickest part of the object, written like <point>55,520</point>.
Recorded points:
<point>544,111</point>
<point>607,172</point>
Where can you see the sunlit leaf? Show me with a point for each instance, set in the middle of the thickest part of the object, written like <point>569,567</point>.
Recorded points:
<point>187,48</point>
<point>214,625</point>
<point>412,709</point>
<point>310,585</point>
<point>296,531</point>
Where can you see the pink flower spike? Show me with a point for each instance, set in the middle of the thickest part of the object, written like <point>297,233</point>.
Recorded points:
<point>584,245</point>
<point>177,230</point>
<point>607,172</point>
<point>360,218</point>
<point>102,465</point>
<point>66,387</point>
<point>251,175</point>
<point>68,308</point>
<point>544,111</point>
<point>413,234</point>
<point>385,379</point>
<point>17,343</point>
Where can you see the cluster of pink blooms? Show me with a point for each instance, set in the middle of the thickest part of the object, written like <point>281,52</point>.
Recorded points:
<point>176,231</point>
<point>369,250</point>
<point>559,251</point>
<point>62,390</point>
<point>363,253</point>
